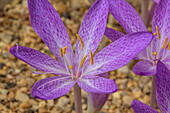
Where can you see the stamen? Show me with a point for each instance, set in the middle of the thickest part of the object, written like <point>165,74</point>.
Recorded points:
<point>91,58</point>
<point>169,45</point>
<point>81,41</point>
<point>165,43</point>
<point>82,62</point>
<point>154,34</point>
<point>71,67</point>
<point>154,53</point>
<point>64,49</point>
<point>157,30</point>
<point>61,51</point>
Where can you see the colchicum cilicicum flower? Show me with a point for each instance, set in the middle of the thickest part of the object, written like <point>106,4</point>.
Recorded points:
<point>81,68</point>
<point>159,49</point>
<point>131,22</point>
<point>162,92</point>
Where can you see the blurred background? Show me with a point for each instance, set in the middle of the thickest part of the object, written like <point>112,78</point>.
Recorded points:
<point>16,78</point>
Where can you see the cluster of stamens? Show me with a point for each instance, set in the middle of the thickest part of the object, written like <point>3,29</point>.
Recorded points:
<point>159,37</point>
<point>63,51</point>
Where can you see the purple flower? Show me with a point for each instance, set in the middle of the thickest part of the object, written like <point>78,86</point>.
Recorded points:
<point>160,45</point>
<point>131,22</point>
<point>82,67</point>
<point>162,92</point>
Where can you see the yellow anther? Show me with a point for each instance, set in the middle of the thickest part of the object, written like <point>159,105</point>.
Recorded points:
<point>169,45</point>
<point>154,53</point>
<point>64,49</point>
<point>61,51</point>
<point>165,42</point>
<point>81,41</point>
<point>82,62</point>
<point>71,67</point>
<point>91,58</point>
<point>157,30</point>
<point>154,34</point>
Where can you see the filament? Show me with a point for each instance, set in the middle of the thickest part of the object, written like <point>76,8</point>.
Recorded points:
<point>91,58</point>
<point>81,41</point>
<point>82,62</point>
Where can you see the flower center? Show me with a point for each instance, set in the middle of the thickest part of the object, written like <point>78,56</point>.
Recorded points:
<point>156,54</point>
<point>63,52</point>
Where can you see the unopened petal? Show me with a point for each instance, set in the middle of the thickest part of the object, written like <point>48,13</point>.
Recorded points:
<point>163,87</point>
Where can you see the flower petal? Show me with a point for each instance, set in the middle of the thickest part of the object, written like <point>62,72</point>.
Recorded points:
<point>113,34</point>
<point>126,15</point>
<point>144,68</point>
<point>162,87</point>
<point>38,60</point>
<point>52,87</point>
<point>140,107</point>
<point>118,53</point>
<point>156,1</point>
<point>161,19</point>
<point>48,25</point>
<point>92,29</point>
<point>96,84</point>
<point>97,100</point>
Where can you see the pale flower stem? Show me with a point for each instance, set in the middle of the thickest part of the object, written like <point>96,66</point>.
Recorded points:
<point>144,10</point>
<point>77,99</point>
<point>153,92</point>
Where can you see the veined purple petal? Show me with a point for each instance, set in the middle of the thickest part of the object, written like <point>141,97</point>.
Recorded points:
<point>144,68</point>
<point>48,25</point>
<point>38,60</point>
<point>52,87</point>
<point>140,107</point>
<point>163,87</point>
<point>113,34</point>
<point>161,19</point>
<point>157,1</point>
<point>126,15</point>
<point>92,29</point>
<point>96,84</point>
<point>119,53</point>
<point>97,100</point>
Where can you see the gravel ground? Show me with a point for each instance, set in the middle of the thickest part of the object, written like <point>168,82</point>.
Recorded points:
<point>16,78</point>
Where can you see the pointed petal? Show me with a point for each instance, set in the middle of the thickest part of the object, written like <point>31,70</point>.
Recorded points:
<point>97,100</point>
<point>119,53</point>
<point>92,29</point>
<point>161,19</point>
<point>48,25</point>
<point>52,87</point>
<point>162,87</point>
<point>113,34</point>
<point>126,15</point>
<point>96,84</point>
<point>140,107</point>
<point>38,60</point>
<point>144,68</point>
